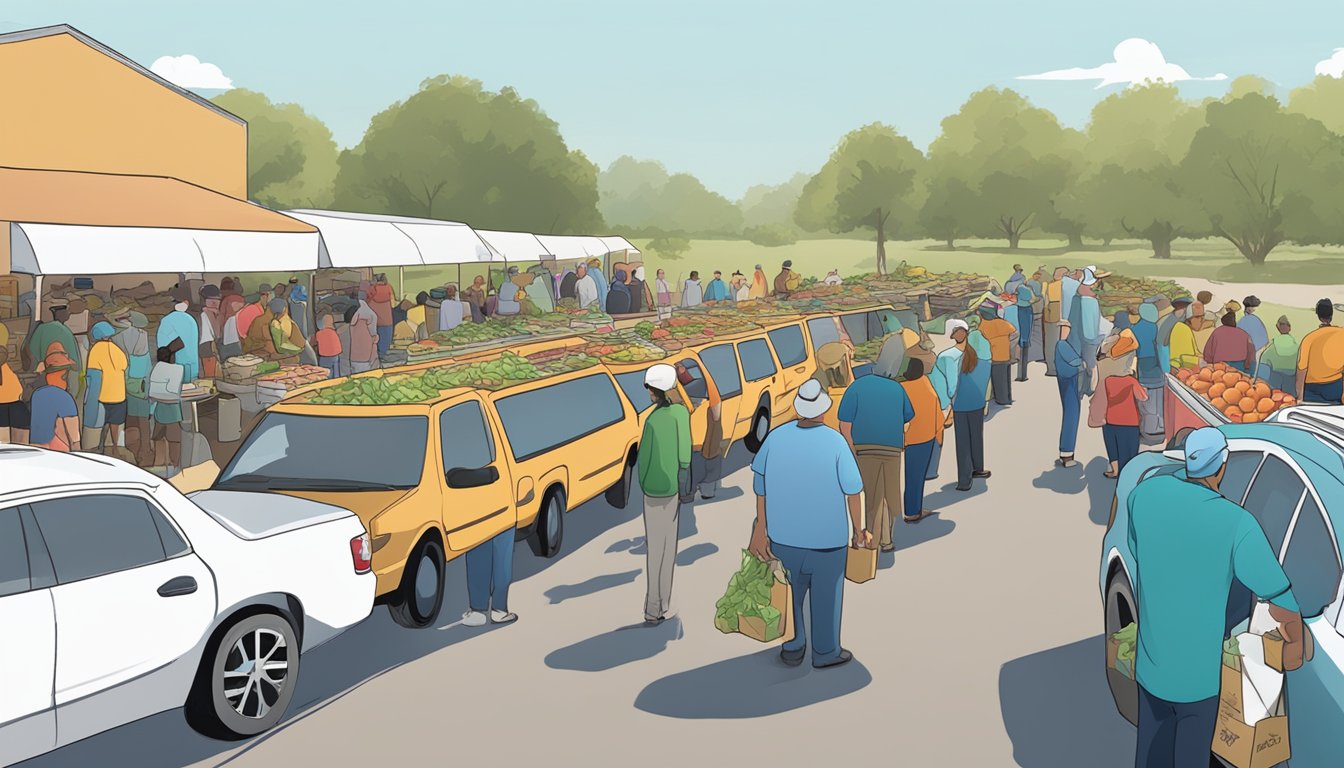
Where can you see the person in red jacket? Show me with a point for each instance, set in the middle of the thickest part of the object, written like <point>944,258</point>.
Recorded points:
<point>380,301</point>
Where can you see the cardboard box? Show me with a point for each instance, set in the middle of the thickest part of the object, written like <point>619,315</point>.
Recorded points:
<point>1273,643</point>
<point>781,599</point>
<point>1248,745</point>
<point>861,565</point>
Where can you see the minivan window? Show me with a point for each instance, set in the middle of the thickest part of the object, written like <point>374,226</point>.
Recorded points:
<point>13,554</point>
<point>298,452</point>
<point>1273,499</point>
<point>1241,466</point>
<point>1310,563</point>
<point>466,439</point>
<point>825,330</point>
<point>757,363</point>
<point>693,381</point>
<point>632,384</point>
<point>788,343</point>
<point>722,364</point>
<point>98,534</point>
<point>856,326</point>
<point>541,419</point>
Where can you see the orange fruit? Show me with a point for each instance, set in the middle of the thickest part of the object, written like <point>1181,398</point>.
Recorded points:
<point>1260,390</point>
<point>1243,387</point>
<point>1217,389</point>
<point>1289,400</point>
<point>1184,374</point>
<point>1247,404</point>
<point>1277,396</point>
<point>1266,405</point>
<point>1199,385</point>
<point>1234,416</point>
<point>1252,418</point>
<point>1231,378</point>
<point>1220,366</point>
<point>1220,404</point>
<point>1204,375</point>
<point>1232,411</point>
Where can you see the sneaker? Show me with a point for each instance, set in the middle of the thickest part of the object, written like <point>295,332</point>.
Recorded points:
<point>844,658</point>
<point>503,617</point>
<point>792,658</point>
<point>473,619</point>
<point>982,475</point>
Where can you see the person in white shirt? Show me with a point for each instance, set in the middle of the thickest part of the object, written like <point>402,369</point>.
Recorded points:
<point>452,310</point>
<point>586,286</point>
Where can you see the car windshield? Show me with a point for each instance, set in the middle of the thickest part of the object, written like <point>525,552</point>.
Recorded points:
<point>293,452</point>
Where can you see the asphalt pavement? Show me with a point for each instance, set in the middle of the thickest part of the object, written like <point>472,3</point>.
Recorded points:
<point>978,644</point>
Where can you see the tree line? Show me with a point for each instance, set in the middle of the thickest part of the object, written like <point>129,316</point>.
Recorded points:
<point>1149,164</point>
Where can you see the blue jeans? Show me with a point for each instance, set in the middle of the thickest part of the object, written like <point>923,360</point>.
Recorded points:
<point>1122,444</point>
<point>384,340</point>
<point>1323,393</point>
<point>1071,399</point>
<point>331,363</point>
<point>1174,735</point>
<point>1026,319</point>
<point>820,572</point>
<point>935,460</point>
<point>917,459</point>
<point>490,572</point>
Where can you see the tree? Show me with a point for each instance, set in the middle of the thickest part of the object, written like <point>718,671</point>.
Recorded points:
<point>1139,202</point>
<point>1322,100</point>
<point>869,177</point>
<point>669,248</point>
<point>291,157</point>
<point>771,235</point>
<point>641,196</point>
<point>765,205</point>
<point>456,151</point>
<point>1265,176</point>
<point>939,217</point>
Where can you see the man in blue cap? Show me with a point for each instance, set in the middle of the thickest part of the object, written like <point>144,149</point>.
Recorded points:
<point>1184,536</point>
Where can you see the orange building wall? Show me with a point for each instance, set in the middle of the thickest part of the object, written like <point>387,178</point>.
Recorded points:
<point>67,106</point>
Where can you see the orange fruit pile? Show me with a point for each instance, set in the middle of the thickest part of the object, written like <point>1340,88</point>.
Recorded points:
<point>1241,399</point>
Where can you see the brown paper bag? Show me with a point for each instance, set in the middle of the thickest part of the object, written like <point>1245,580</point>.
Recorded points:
<point>861,565</point>
<point>1248,745</point>
<point>781,599</point>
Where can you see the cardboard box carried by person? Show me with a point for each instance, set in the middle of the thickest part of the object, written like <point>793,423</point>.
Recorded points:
<point>1252,728</point>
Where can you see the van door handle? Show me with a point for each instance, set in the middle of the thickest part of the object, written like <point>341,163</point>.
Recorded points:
<point>182,585</point>
<point>800,369</point>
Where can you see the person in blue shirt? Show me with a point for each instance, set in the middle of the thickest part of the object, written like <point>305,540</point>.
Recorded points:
<point>1026,319</point>
<point>968,411</point>
<point>1253,325</point>
<point>806,479</point>
<point>180,325</point>
<point>1068,366</point>
<point>717,290</point>
<point>1188,544</point>
<point>873,416</point>
<point>944,377</point>
<point>1150,371</point>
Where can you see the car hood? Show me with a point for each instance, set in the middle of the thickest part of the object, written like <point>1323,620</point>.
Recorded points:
<point>249,515</point>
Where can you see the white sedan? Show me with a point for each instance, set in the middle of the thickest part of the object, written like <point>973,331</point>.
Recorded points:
<point>121,598</point>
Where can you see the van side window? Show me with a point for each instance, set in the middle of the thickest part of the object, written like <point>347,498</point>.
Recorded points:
<point>722,364</point>
<point>99,534</point>
<point>825,330</point>
<point>856,326</point>
<point>541,419</point>
<point>13,554</point>
<point>465,437</point>
<point>693,381</point>
<point>1310,563</point>
<point>1273,499</point>
<point>757,363</point>
<point>788,343</point>
<point>632,384</point>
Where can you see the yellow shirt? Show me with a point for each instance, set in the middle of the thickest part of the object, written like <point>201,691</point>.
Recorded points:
<point>1054,291</point>
<point>416,315</point>
<point>1184,349</point>
<point>998,332</point>
<point>4,335</point>
<point>108,358</point>
<point>1322,355</point>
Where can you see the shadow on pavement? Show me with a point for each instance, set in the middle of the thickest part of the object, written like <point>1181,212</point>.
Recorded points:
<point>1075,480</point>
<point>948,495</point>
<point>1058,711</point>
<point>620,646</point>
<point>726,493</point>
<point>757,685</point>
<point>908,535</point>
<point>563,592</point>
<point>690,555</point>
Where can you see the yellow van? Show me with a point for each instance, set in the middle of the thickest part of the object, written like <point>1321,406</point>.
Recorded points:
<point>463,452</point>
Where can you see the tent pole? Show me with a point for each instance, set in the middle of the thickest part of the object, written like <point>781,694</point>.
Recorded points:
<point>37,306</point>
<point>401,284</point>
<point>312,302</point>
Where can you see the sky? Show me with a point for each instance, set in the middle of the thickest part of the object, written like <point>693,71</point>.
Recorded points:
<point>737,92</point>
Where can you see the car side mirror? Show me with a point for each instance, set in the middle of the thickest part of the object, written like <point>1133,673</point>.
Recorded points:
<point>471,478</point>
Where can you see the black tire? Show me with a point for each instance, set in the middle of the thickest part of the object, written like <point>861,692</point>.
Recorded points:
<point>1121,609</point>
<point>760,427</point>
<point>420,595</point>
<point>618,495</point>
<point>548,532</point>
<point>215,708</point>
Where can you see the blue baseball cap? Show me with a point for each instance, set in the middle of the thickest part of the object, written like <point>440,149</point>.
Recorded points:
<point>1205,453</point>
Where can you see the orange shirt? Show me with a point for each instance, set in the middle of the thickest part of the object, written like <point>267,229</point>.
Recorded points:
<point>998,332</point>
<point>928,422</point>
<point>11,390</point>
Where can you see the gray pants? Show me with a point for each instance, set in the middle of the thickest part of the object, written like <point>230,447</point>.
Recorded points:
<point>1089,354</point>
<point>359,366</point>
<point>661,516</point>
<point>1150,412</point>
<point>1051,341</point>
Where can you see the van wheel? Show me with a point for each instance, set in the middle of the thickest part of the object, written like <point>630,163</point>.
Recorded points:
<point>420,595</point>
<point>246,680</point>
<point>549,529</point>
<point>1121,609</point>
<point>760,427</point>
<point>618,495</point>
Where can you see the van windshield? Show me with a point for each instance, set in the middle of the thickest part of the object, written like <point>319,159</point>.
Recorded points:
<point>293,452</point>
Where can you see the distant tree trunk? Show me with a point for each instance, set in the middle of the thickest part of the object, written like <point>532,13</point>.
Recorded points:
<point>951,246</point>
<point>1075,240</point>
<point>1106,242</point>
<point>1013,239</point>
<point>1161,247</point>
<point>881,242</point>
<point>1014,229</point>
<point>1255,249</point>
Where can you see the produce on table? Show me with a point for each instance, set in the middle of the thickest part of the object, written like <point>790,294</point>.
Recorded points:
<point>868,351</point>
<point>499,330</point>
<point>419,386</point>
<point>749,595</point>
<point>1237,396</point>
<point>1119,292</point>
<point>294,376</point>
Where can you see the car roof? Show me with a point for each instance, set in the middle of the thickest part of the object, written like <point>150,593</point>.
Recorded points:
<point>25,468</point>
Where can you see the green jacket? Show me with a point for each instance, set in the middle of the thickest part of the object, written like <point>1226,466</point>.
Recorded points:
<point>664,450</point>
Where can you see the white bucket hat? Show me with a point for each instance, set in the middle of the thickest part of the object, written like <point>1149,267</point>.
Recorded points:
<point>811,400</point>
<point>661,377</point>
<point>954,325</point>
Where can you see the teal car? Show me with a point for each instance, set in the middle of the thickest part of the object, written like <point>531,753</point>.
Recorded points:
<point>1288,472</point>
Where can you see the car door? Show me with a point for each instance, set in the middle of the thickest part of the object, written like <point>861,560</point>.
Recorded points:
<point>721,363</point>
<point>1272,498</point>
<point>477,488</point>
<point>760,373</point>
<point>795,364</point>
<point>132,602</point>
<point>28,663</point>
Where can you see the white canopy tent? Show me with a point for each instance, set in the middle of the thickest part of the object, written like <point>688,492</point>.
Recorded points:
<point>573,247</point>
<point>617,244</point>
<point>356,240</point>
<point>515,246</point>
<point>64,249</point>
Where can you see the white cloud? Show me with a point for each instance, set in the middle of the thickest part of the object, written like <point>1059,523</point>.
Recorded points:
<point>1333,66</point>
<point>1136,61</point>
<point>187,71</point>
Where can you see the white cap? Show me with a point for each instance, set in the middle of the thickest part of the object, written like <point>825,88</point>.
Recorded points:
<point>811,401</point>
<point>1089,276</point>
<point>661,377</point>
<point>954,325</point>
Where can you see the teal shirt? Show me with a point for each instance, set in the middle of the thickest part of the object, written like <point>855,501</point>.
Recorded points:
<point>1188,544</point>
<point>1025,295</point>
<point>664,450</point>
<point>879,410</point>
